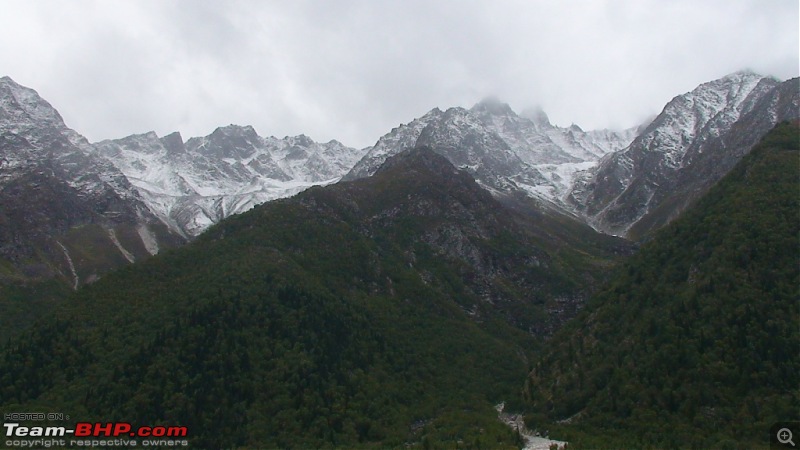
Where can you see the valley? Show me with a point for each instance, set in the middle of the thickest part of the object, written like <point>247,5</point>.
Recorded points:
<point>282,292</point>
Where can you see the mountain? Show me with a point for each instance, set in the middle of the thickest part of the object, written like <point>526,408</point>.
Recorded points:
<point>392,310</point>
<point>396,307</point>
<point>503,150</point>
<point>618,184</point>
<point>697,138</point>
<point>195,184</point>
<point>74,210</point>
<point>623,183</point>
<point>694,342</point>
<point>67,215</point>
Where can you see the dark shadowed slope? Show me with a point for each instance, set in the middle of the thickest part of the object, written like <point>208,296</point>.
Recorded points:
<point>390,310</point>
<point>695,342</point>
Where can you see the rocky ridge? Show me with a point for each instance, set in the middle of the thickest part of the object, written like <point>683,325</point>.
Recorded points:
<point>697,138</point>
<point>503,150</point>
<point>59,198</point>
<point>194,184</point>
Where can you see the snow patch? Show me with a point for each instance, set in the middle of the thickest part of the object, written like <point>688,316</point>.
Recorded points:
<point>71,266</point>
<point>148,239</point>
<point>193,189</point>
<point>113,236</point>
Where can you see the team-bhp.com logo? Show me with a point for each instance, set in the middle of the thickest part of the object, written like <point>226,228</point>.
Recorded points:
<point>87,429</point>
<point>121,434</point>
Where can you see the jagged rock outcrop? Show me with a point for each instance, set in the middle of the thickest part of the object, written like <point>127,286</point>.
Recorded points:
<point>67,212</point>
<point>697,139</point>
<point>195,184</point>
<point>503,150</point>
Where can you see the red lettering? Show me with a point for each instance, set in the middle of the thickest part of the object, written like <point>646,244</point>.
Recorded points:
<point>177,431</point>
<point>83,429</point>
<point>103,430</point>
<point>121,428</point>
<point>115,429</point>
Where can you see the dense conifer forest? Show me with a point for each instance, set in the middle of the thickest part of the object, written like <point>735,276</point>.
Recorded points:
<point>695,341</point>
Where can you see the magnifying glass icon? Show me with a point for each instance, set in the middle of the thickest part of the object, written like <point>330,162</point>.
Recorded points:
<point>785,436</point>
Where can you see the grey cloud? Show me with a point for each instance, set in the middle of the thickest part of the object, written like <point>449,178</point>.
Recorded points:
<point>353,69</point>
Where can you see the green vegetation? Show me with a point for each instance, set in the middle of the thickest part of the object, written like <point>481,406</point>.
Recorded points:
<point>247,348</point>
<point>696,341</point>
<point>395,311</point>
<point>386,312</point>
<point>34,286</point>
<point>24,302</point>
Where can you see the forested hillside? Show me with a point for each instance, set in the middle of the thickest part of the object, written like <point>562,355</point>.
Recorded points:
<point>695,342</point>
<point>387,311</point>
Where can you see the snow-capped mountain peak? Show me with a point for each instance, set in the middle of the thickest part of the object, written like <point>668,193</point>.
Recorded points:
<point>21,105</point>
<point>24,112</point>
<point>400,138</point>
<point>194,184</point>
<point>502,149</point>
<point>537,115</point>
<point>705,110</point>
<point>493,106</point>
<point>630,184</point>
<point>191,184</point>
<point>173,142</point>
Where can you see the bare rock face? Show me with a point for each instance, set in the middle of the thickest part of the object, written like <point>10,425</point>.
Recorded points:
<point>60,193</point>
<point>697,138</point>
<point>504,151</point>
<point>434,219</point>
<point>626,182</point>
<point>67,212</point>
<point>195,184</point>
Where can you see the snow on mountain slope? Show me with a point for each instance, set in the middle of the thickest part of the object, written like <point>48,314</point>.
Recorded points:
<point>629,184</point>
<point>24,113</point>
<point>606,177</point>
<point>399,139</point>
<point>33,137</point>
<point>503,150</point>
<point>66,212</point>
<point>195,184</point>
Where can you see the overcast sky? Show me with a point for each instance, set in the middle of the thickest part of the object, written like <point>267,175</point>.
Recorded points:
<point>353,69</point>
